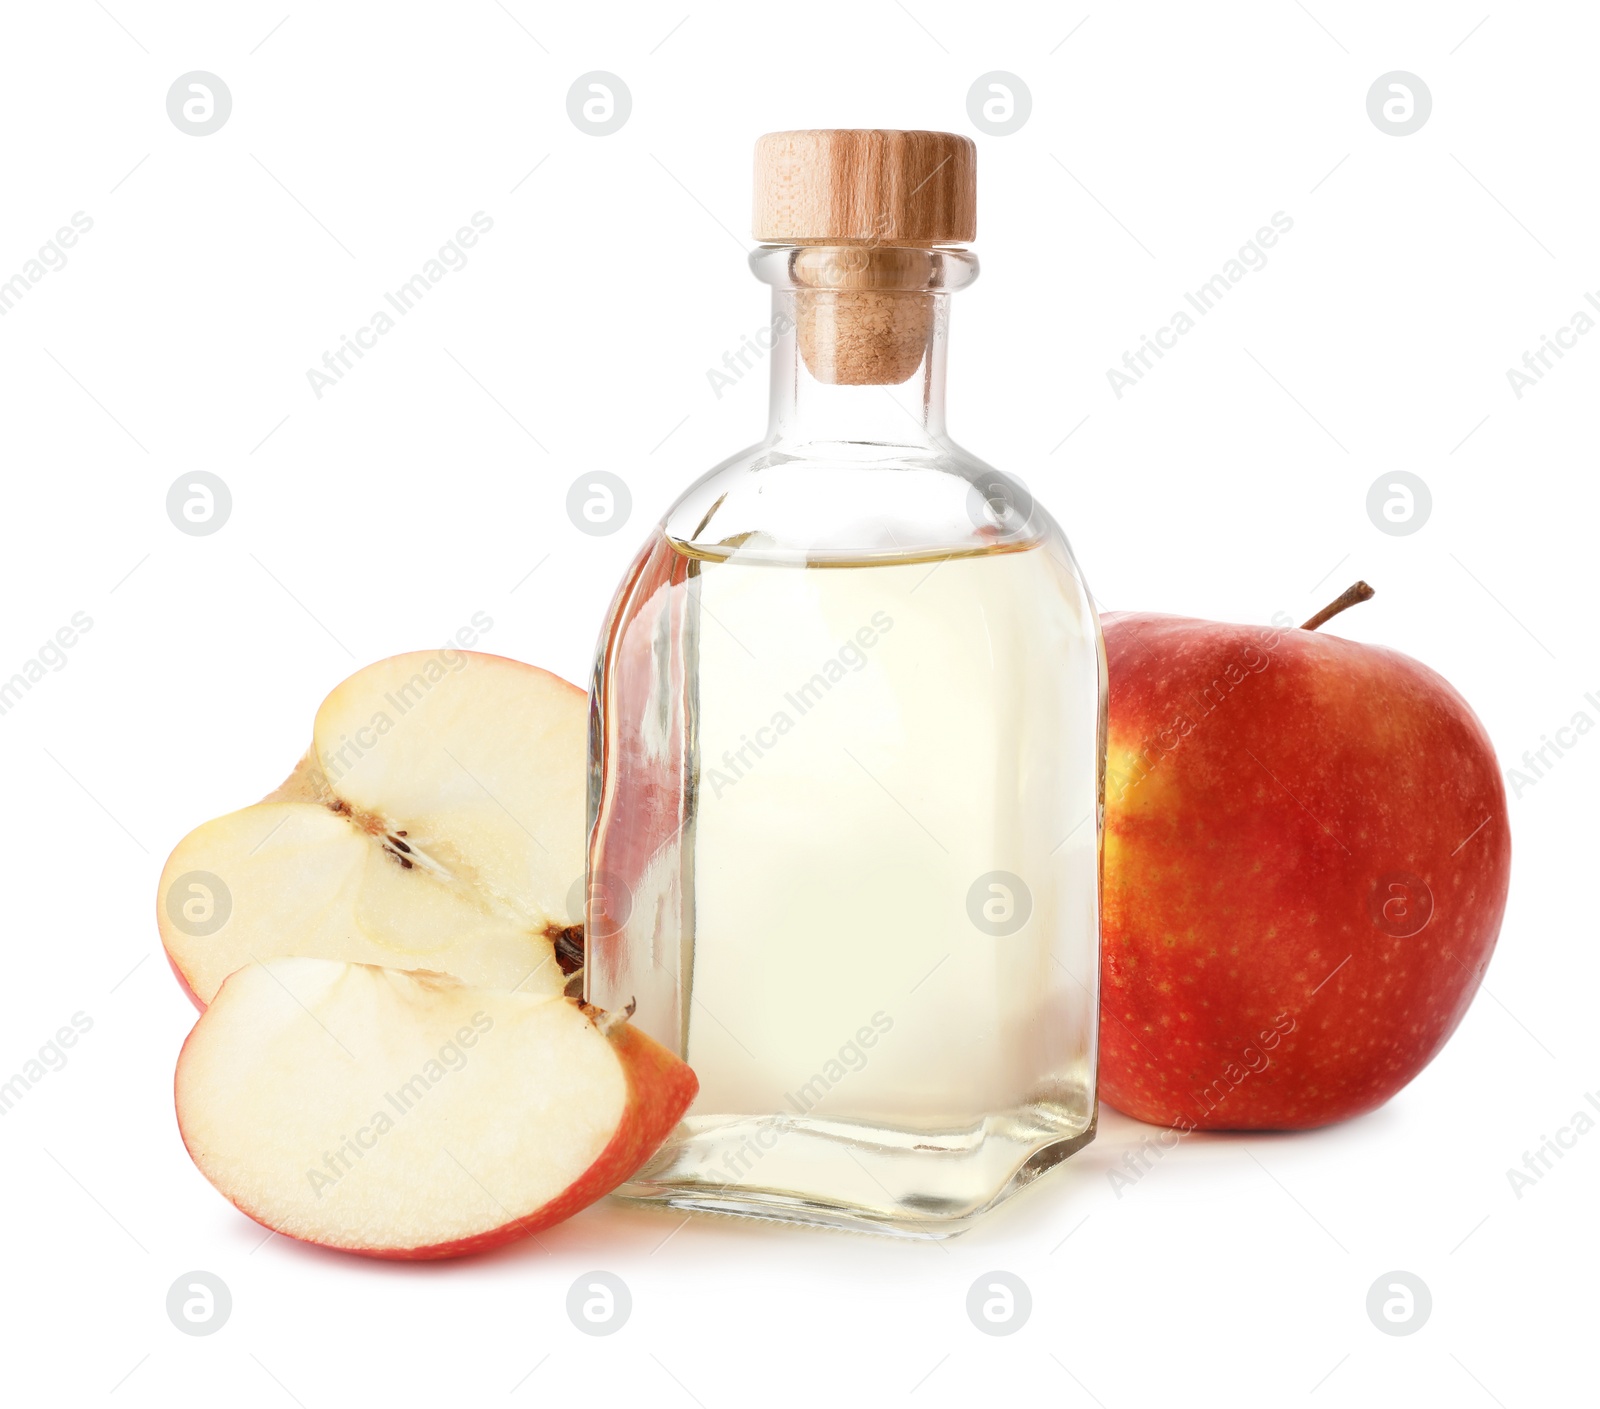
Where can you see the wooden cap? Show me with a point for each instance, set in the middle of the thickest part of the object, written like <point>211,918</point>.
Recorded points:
<point>862,185</point>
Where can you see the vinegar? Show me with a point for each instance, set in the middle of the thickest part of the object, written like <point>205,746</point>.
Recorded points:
<point>878,827</point>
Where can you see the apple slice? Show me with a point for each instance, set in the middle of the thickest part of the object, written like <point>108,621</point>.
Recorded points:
<point>408,1115</point>
<point>435,822</point>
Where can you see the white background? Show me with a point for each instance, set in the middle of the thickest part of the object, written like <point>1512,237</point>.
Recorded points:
<point>427,485</point>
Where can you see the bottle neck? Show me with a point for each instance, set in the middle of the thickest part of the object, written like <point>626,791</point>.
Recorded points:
<point>808,409</point>
<point>859,338</point>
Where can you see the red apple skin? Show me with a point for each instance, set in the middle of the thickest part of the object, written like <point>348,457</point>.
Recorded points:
<point>1251,976</point>
<point>660,1090</point>
<point>183,983</point>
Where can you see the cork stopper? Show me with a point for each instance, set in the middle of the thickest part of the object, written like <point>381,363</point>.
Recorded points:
<point>861,186</point>
<point>872,203</point>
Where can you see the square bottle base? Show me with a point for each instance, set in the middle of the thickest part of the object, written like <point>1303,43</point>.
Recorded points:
<point>854,1176</point>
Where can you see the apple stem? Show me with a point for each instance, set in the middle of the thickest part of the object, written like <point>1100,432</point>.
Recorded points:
<point>1356,592</point>
<point>608,1020</point>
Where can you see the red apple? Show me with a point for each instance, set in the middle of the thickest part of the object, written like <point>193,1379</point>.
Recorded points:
<point>1306,862</point>
<point>407,1115</point>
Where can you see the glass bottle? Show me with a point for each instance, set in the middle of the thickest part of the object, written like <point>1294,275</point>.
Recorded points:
<point>846,753</point>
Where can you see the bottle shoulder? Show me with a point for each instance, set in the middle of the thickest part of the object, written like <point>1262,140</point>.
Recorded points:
<point>855,501</point>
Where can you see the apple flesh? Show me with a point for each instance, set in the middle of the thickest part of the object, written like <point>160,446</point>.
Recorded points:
<point>436,822</point>
<point>409,1115</point>
<point>1306,863</point>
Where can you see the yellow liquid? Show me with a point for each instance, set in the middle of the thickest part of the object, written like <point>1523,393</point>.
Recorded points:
<point>888,875</point>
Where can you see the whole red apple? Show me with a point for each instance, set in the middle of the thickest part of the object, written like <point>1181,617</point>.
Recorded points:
<point>1306,862</point>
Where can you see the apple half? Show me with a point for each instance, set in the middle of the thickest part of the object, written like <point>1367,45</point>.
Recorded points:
<point>436,822</point>
<point>409,1115</point>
